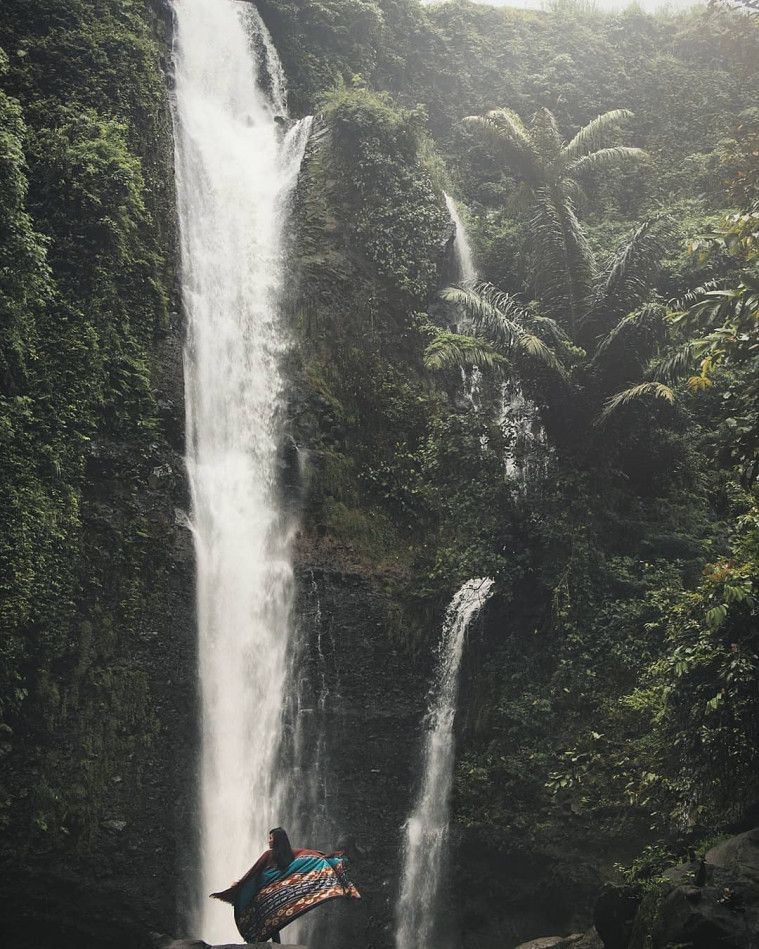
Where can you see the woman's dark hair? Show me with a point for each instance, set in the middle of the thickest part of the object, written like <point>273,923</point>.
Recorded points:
<point>283,852</point>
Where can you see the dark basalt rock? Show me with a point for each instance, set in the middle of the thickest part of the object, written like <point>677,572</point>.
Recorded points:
<point>614,915</point>
<point>163,942</point>
<point>696,917</point>
<point>723,914</point>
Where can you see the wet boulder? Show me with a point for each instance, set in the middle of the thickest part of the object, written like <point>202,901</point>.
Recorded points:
<point>614,915</point>
<point>722,914</point>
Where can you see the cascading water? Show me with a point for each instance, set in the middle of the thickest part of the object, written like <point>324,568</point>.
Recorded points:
<point>461,246</point>
<point>426,830</point>
<point>518,418</point>
<point>527,453</point>
<point>235,169</point>
<point>467,275</point>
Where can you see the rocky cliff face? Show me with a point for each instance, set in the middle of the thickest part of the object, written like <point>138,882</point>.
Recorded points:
<point>364,698</point>
<point>98,771</point>
<point>355,723</point>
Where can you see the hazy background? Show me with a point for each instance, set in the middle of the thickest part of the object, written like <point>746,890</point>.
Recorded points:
<point>648,5</point>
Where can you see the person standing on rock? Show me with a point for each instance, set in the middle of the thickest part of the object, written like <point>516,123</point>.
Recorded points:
<point>282,885</point>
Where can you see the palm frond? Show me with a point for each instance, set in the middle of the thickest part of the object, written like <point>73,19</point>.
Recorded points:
<point>510,122</point>
<point>550,331</point>
<point>534,347</point>
<point>545,136</point>
<point>504,129</point>
<point>625,280</point>
<point>593,135</point>
<point>564,262</point>
<point>678,363</point>
<point>693,296</point>
<point>604,158</point>
<point>722,305</point>
<point>637,333</point>
<point>448,350</point>
<point>656,390</point>
<point>503,320</point>
<point>485,304</point>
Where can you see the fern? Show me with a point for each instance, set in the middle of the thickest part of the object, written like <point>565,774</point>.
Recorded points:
<point>647,323</point>
<point>448,350</point>
<point>606,158</point>
<point>644,389</point>
<point>594,133</point>
<point>626,278</point>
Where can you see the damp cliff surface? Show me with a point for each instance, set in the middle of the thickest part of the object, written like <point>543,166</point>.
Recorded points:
<point>98,663</point>
<point>370,731</point>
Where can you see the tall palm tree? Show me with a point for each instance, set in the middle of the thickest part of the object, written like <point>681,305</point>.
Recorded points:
<point>554,170</point>
<point>621,327</point>
<point>600,316</point>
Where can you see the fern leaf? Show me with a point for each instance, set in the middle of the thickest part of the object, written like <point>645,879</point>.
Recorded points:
<point>656,390</point>
<point>504,129</point>
<point>594,133</point>
<point>625,280</point>
<point>448,350</point>
<point>605,158</point>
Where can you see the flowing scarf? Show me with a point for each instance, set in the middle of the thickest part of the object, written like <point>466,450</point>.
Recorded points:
<point>269,900</point>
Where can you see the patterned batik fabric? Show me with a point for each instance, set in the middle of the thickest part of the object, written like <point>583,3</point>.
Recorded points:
<point>285,895</point>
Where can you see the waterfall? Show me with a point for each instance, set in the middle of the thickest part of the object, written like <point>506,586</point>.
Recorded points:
<point>426,830</point>
<point>527,449</point>
<point>461,246</point>
<point>518,417</point>
<point>235,170</point>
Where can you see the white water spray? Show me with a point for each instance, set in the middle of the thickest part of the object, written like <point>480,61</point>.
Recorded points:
<point>426,830</point>
<point>461,246</point>
<point>235,170</point>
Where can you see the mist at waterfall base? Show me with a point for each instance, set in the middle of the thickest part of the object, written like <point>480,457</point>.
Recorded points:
<point>426,830</point>
<point>235,169</point>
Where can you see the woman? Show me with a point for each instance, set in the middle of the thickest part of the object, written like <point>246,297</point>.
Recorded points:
<point>282,885</point>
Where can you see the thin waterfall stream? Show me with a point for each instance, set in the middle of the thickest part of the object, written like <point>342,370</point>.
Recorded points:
<point>461,246</point>
<point>235,168</point>
<point>518,417</point>
<point>426,830</point>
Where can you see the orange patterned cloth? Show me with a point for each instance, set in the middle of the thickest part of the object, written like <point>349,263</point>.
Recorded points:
<point>273,898</point>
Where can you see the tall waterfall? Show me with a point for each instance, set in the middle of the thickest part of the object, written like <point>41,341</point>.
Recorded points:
<point>461,246</point>
<point>235,170</point>
<point>426,830</point>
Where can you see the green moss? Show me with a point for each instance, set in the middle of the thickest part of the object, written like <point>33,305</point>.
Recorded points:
<point>85,195</point>
<point>369,533</point>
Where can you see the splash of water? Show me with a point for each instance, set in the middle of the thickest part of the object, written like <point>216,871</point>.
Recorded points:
<point>235,170</point>
<point>426,830</point>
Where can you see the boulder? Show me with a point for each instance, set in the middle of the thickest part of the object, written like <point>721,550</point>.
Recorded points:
<point>614,915</point>
<point>706,918</point>
<point>739,855</point>
<point>722,914</point>
<point>545,942</point>
<point>557,942</point>
<point>588,940</point>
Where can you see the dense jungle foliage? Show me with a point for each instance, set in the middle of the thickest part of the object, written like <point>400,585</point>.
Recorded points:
<point>85,280</point>
<point>614,702</point>
<point>618,704</point>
